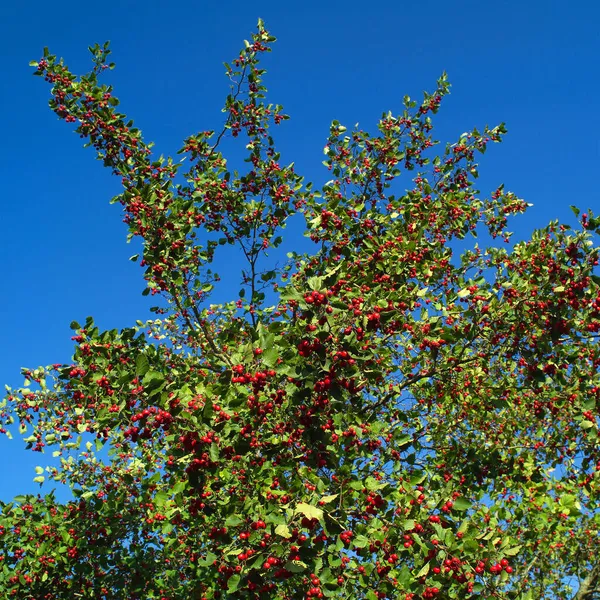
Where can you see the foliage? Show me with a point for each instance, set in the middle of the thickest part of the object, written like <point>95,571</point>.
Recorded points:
<point>408,420</point>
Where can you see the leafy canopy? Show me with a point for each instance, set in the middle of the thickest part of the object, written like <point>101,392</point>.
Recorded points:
<point>403,414</point>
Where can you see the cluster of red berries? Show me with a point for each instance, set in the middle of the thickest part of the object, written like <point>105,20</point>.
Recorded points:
<point>162,417</point>
<point>315,590</point>
<point>346,537</point>
<point>246,555</point>
<point>216,532</point>
<point>260,524</point>
<point>306,348</point>
<point>316,298</point>
<point>327,216</point>
<point>496,569</point>
<point>272,561</point>
<point>258,379</point>
<point>375,502</point>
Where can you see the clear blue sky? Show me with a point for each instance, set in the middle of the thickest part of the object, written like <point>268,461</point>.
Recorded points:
<point>532,64</point>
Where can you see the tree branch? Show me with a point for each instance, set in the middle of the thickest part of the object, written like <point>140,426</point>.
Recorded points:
<point>590,585</point>
<point>201,323</point>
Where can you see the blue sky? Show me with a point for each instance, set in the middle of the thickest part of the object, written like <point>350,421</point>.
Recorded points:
<point>63,252</point>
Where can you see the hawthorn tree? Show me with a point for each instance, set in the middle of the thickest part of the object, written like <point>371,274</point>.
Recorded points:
<point>400,415</point>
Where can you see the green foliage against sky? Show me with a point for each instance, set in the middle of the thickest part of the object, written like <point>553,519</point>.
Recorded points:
<point>403,414</point>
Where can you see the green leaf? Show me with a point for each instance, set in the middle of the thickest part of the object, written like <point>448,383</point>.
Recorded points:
<point>209,410</point>
<point>328,499</point>
<point>141,365</point>
<point>214,452</point>
<point>269,356</point>
<point>308,510</point>
<point>233,582</point>
<point>233,521</point>
<point>512,551</point>
<point>589,403</point>
<point>208,561</point>
<point>179,487</point>
<point>283,531</point>
<point>461,504</point>
<point>315,283</point>
<point>153,380</point>
<point>296,566</point>
<point>161,498</point>
<point>373,484</point>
